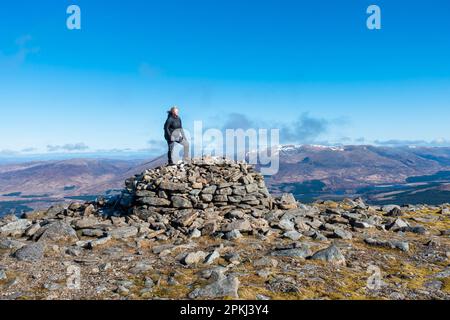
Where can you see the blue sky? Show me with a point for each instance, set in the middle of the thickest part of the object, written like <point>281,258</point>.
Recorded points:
<point>311,68</point>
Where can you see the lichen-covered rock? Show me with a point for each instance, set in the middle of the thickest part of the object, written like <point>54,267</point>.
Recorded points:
<point>31,252</point>
<point>55,232</point>
<point>331,254</point>
<point>225,286</point>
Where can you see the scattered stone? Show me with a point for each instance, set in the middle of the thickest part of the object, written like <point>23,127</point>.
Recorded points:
<point>31,252</point>
<point>31,231</point>
<point>240,225</point>
<point>233,257</point>
<point>402,245</point>
<point>140,267</point>
<point>193,258</point>
<point>123,232</point>
<point>195,234</point>
<point>288,201</point>
<point>293,235</point>
<point>397,225</point>
<point>11,244</point>
<point>225,286</point>
<point>56,232</point>
<point>302,251</point>
<point>286,225</point>
<point>15,228</point>
<point>395,212</point>
<point>389,208</point>
<point>84,223</point>
<point>212,257</point>
<point>265,262</point>
<point>98,242</point>
<point>94,233</point>
<point>233,235</point>
<point>331,254</point>
<point>433,285</point>
<point>342,234</point>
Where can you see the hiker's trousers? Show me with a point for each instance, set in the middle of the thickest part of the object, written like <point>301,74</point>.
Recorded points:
<point>171,146</point>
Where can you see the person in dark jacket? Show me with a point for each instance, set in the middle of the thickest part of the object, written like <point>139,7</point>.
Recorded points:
<point>173,133</point>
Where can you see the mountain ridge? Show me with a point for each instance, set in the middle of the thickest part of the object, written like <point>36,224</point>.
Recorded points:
<point>309,171</point>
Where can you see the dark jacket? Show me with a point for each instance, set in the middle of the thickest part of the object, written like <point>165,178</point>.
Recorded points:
<point>172,123</point>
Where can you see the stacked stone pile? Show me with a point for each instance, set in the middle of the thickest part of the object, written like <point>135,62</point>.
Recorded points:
<point>201,184</point>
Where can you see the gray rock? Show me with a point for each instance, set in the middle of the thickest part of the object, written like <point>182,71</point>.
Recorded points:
<point>395,212</point>
<point>318,236</point>
<point>404,246</point>
<point>97,233</point>
<point>241,225</point>
<point>172,186</point>
<point>265,262</point>
<point>55,232</point>
<point>233,235</point>
<point>84,223</point>
<point>225,286</point>
<point>154,201</point>
<point>361,224</point>
<point>233,257</point>
<point>415,229</point>
<point>287,201</point>
<point>180,202</point>
<point>195,234</point>
<point>212,257</point>
<point>2,275</point>
<point>52,286</point>
<point>444,273</point>
<point>236,214</point>
<point>97,242</point>
<point>331,254</point>
<point>15,228</point>
<point>302,251</point>
<point>31,252</point>
<point>433,285</point>
<point>206,197</point>
<point>342,234</point>
<point>11,244</point>
<point>286,225</point>
<point>105,266</point>
<point>55,210</point>
<point>293,235</point>
<point>209,189</point>
<point>123,232</point>
<point>140,267</point>
<point>401,245</point>
<point>74,251</point>
<point>31,231</point>
<point>397,224</point>
<point>213,274</point>
<point>390,207</point>
<point>193,258</point>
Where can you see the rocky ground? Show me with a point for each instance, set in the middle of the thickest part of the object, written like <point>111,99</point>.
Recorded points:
<point>211,230</point>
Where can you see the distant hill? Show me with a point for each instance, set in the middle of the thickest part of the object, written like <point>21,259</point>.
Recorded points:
<point>379,174</point>
<point>320,171</point>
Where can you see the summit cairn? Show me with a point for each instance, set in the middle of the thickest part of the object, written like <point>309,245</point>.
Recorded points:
<point>201,184</point>
<point>208,194</point>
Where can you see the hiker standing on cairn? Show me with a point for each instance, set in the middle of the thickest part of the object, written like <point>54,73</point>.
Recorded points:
<point>173,133</point>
